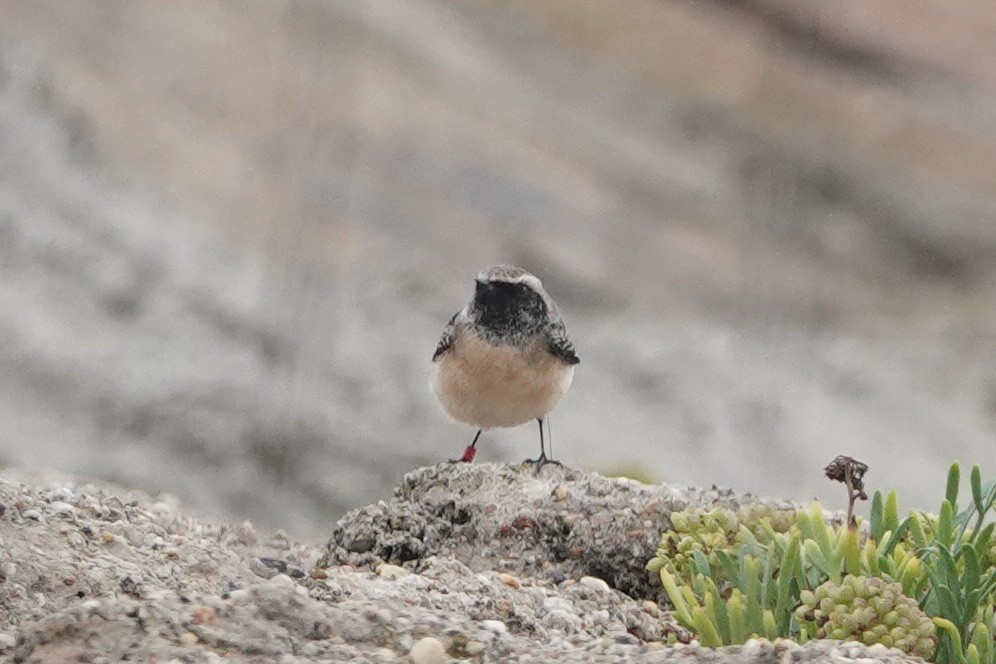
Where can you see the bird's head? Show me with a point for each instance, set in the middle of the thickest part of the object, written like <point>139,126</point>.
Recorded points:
<point>509,302</point>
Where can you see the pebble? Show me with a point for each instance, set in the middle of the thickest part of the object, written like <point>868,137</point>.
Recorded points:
<point>473,648</point>
<point>429,650</point>
<point>509,580</point>
<point>393,572</point>
<point>64,508</point>
<point>556,604</point>
<point>188,638</point>
<point>246,534</point>
<point>267,568</point>
<point>496,626</point>
<point>63,494</point>
<point>160,509</point>
<point>560,493</point>
<point>385,654</point>
<point>594,583</point>
<point>135,536</point>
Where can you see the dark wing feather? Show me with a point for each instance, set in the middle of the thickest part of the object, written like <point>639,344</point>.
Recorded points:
<point>560,344</point>
<point>446,341</point>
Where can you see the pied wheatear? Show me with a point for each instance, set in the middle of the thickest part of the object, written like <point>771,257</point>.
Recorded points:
<point>505,358</point>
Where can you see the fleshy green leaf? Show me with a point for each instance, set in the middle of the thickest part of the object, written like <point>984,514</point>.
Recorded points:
<point>951,493</point>
<point>951,632</point>
<point>945,524</point>
<point>976,482</point>
<point>681,608</point>
<point>708,636</point>
<point>876,528</point>
<point>890,517</point>
<point>739,633</point>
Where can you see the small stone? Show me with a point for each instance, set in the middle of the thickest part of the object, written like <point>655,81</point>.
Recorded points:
<point>267,568</point>
<point>473,648</point>
<point>458,642</point>
<point>509,580</point>
<point>556,604</point>
<point>560,493</point>
<point>240,595</point>
<point>393,572</point>
<point>496,626</point>
<point>64,509</point>
<point>650,607</point>
<point>594,583</point>
<point>188,638</point>
<point>429,650</point>
<point>160,509</point>
<point>204,614</point>
<point>385,655</point>
<point>63,494</point>
<point>32,514</point>
<point>246,534</point>
<point>135,536</point>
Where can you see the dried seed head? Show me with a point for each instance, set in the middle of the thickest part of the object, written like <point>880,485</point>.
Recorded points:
<point>839,468</point>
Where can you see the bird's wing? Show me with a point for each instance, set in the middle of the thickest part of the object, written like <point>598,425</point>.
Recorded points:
<point>446,341</point>
<point>559,343</point>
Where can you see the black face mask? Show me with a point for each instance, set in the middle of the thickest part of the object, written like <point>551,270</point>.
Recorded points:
<point>509,309</point>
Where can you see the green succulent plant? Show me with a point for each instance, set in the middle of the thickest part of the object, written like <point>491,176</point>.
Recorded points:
<point>925,584</point>
<point>869,610</point>
<point>700,534</point>
<point>961,595</point>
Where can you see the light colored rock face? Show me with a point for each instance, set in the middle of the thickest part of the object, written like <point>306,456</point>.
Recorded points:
<point>231,233</point>
<point>96,572</point>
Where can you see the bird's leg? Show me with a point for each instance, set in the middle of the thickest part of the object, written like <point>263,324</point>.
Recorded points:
<point>542,460</point>
<point>468,454</point>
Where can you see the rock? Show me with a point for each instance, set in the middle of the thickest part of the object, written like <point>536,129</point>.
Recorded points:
<point>389,571</point>
<point>496,626</point>
<point>594,583</point>
<point>429,650</point>
<point>246,534</point>
<point>516,524</point>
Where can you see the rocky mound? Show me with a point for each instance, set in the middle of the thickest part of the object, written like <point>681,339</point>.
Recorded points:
<point>496,565</point>
<point>553,524</point>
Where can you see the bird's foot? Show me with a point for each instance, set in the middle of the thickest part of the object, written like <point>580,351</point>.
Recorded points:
<point>541,461</point>
<point>468,455</point>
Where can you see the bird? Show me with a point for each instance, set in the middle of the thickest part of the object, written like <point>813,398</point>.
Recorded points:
<point>505,358</point>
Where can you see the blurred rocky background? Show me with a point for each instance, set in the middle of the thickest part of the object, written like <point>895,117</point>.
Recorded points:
<point>231,233</point>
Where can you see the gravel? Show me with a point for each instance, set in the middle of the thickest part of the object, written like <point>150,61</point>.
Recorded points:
<point>98,574</point>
